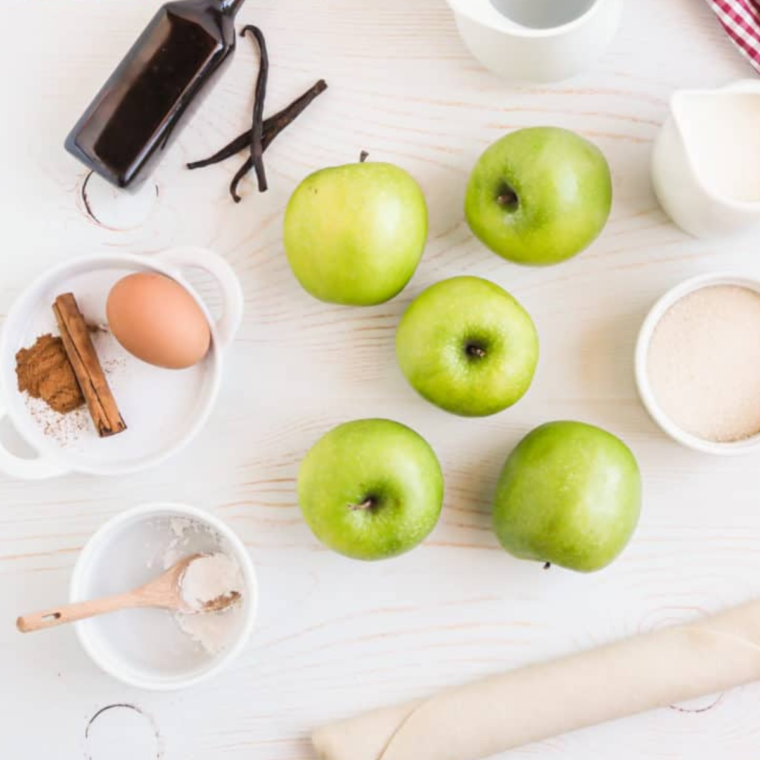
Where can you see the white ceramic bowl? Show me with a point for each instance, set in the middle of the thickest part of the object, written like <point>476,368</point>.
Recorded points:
<point>164,409</point>
<point>146,648</point>
<point>537,40</point>
<point>657,312</point>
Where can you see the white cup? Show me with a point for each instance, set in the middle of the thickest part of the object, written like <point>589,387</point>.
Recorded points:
<point>164,409</point>
<point>658,311</point>
<point>537,40</point>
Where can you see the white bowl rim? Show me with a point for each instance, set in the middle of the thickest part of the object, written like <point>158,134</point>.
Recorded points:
<point>161,509</point>
<point>656,313</point>
<point>502,23</point>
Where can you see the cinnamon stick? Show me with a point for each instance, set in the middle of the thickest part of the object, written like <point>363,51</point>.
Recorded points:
<point>90,376</point>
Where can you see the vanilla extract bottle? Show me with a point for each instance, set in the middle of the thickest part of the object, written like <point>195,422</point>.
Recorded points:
<point>130,121</point>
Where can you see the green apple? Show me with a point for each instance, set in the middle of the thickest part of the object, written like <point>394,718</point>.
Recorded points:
<point>539,196</point>
<point>371,489</point>
<point>467,346</point>
<point>570,495</point>
<point>355,234</point>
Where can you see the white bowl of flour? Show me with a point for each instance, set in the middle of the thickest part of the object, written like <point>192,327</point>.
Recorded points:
<point>698,363</point>
<point>156,649</point>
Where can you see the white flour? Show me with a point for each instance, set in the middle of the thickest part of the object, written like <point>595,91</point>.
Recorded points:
<point>704,363</point>
<point>205,579</point>
<point>209,578</point>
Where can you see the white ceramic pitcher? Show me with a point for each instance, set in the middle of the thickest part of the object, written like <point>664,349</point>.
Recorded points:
<point>537,40</point>
<point>706,161</point>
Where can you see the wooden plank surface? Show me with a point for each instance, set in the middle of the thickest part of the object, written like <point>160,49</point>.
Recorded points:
<point>336,637</point>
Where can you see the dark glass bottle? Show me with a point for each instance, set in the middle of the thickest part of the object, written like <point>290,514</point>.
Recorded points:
<point>140,106</point>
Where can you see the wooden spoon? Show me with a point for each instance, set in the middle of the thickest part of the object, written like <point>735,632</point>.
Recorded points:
<point>164,592</point>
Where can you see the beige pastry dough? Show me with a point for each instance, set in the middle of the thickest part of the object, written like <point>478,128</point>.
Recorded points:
<point>542,701</point>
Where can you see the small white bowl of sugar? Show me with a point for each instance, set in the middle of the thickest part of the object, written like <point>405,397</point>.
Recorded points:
<point>698,364</point>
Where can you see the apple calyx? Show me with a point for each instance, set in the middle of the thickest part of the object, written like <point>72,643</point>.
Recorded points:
<point>366,505</point>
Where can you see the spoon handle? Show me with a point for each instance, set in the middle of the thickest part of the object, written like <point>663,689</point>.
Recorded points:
<point>69,613</point>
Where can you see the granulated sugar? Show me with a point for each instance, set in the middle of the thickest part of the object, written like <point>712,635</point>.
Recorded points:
<point>704,363</point>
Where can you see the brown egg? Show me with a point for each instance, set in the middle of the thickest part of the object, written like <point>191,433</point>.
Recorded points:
<point>158,321</point>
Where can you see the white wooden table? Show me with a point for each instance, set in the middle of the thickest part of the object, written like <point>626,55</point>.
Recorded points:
<point>336,637</point>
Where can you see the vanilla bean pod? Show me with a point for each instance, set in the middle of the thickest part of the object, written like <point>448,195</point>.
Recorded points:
<point>256,160</point>
<point>263,131</point>
<point>272,128</point>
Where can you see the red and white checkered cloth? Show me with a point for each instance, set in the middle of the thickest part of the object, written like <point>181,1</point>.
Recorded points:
<point>741,19</point>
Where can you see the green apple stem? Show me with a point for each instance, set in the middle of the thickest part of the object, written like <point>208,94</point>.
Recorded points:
<point>363,156</point>
<point>476,351</point>
<point>508,199</point>
<point>364,506</point>
<point>548,566</point>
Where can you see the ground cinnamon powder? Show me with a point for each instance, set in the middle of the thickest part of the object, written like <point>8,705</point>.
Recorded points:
<point>44,372</point>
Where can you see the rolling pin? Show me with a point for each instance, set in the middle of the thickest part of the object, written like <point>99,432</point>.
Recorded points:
<point>546,700</point>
